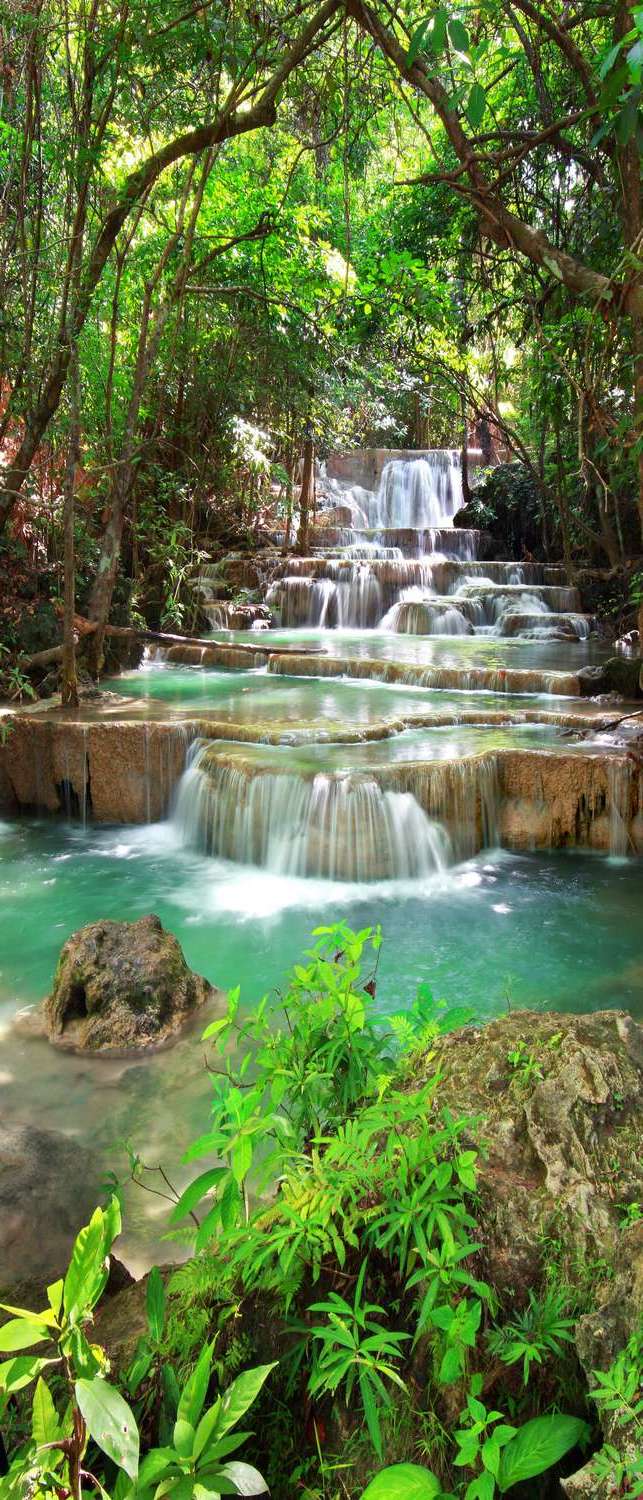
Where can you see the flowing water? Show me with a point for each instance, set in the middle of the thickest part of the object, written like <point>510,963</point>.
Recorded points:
<point>325,796</point>
<point>551,931</point>
<point>403,566</point>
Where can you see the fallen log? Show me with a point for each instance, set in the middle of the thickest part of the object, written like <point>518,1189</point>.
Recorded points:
<point>84,628</point>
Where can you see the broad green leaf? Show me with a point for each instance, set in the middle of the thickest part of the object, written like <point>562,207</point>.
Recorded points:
<point>183,1437</point>
<point>55,1296</point>
<point>194,1392</point>
<point>110,1422</point>
<point>19,1334</point>
<point>87,1270</point>
<point>241,1160</point>
<point>157,1463</point>
<point>47,1318</point>
<point>437,41</point>
<point>16,1373</point>
<point>208,1227</point>
<point>451,1366</point>
<point>458,35</point>
<point>240,1396</point>
<point>476,105</point>
<point>536,1446</point>
<point>111,1223</point>
<point>155,1303</point>
<point>247,1480</point>
<point>195,1191</point>
<point>416,42</point>
<point>403,1482</point>
<point>45,1426</point>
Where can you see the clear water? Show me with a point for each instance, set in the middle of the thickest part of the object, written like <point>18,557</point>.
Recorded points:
<point>555,931</point>
<point>439,651</point>
<point>255,696</point>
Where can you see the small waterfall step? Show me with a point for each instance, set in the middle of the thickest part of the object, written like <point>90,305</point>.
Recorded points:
<point>242,805</point>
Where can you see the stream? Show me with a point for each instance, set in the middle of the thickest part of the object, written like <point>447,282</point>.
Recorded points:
<point>313,823</point>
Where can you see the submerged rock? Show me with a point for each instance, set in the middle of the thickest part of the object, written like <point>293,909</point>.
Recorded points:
<point>122,986</point>
<point>49,1187</point>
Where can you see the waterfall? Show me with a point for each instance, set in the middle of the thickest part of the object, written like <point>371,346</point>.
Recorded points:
<point>418,493</point>
<point>414,614</point>
<point>338,827</point>
<point>619,788</point>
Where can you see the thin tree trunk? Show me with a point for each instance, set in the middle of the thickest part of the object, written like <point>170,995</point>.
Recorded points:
<point>306,495</point>
<point>69,686</point>
<point>466,487</point>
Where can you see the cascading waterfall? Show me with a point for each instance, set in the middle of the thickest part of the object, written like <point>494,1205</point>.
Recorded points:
<point>414,614</point>
<point>404,822</point>
<point>402,565</point>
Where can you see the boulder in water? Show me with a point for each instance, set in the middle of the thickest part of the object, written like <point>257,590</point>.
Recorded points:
<point>619,674</point>
<point>49,1187</point>
<point>122,986</point>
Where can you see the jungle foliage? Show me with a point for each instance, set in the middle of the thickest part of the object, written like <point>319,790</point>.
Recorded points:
<point>340,1225</point>
<point>221,230</point>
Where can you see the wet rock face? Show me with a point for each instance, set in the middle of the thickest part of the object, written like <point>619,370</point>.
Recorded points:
<point>619,674</point>
<point>122,986</point>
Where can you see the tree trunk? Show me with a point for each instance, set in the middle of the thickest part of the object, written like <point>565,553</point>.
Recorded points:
<point>69,686</point>
<point>306,496</point>
<point>466,487</point>
<point>103,589</point>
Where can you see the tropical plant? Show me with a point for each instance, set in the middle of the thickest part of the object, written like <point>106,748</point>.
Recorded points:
<point>537,1333</point>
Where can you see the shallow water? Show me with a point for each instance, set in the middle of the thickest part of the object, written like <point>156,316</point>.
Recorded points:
<point>439,651</point>
<point>546,932</point>
<point>249,697</point>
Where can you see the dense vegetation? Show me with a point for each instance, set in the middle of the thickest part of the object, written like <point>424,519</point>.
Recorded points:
<point>359,1275</point>
<point>227,231</point>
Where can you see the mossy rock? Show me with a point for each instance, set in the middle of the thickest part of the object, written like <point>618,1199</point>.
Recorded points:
<point>121,987</point>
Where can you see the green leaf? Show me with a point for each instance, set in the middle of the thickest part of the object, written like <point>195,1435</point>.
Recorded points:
<point>16,1373</point>
<point>155,1465</point>
<point>19,1334</point>
<point>45,1427</point>
<point>248,1481</point>
<point>451,1366</point>
<point>536,1446</point>
<point>476,105</point>
<point>183,1438</point>
<point>194,1393</point>
<point>403,1482</point>
<point>87,1270</point>
<point>458,35</point>
<point>155,1304</point>
<point>417,40</point>
<point>195,1192</point>
<point>241,1160</point>
<point>55,1296</point>
<point>240,1396</point>
<point>438,39</point>
<point>371,1412</point>
<point>110,1422</point>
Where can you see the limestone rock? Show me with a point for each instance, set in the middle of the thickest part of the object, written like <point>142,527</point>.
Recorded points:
<point>563,1139</point>
<point>49,1187</point>
<point>600,1338</point>
<point>120,986</point>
